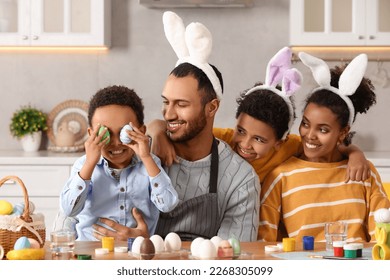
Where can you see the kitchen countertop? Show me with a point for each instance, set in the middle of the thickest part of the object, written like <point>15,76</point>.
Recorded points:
<point>18,157</point>
<point>378,158</point>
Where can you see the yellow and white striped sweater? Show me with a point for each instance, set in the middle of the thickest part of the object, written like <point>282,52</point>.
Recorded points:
<point>305,195</point>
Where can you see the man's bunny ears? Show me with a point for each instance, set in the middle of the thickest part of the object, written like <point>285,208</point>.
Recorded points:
<point>192,45</point>
<point>349,80</point>
<point>279,70</point>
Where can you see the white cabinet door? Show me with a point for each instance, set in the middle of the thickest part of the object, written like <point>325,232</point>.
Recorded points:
<point>339,22</point>
<point>55,23</point>
<point>378,22</point>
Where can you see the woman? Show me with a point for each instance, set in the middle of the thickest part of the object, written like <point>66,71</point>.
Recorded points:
<point>307,191</point>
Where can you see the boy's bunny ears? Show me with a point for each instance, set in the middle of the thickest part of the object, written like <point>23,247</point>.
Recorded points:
<point>279,70</point>
<point>192,45</point>
<point>349,80</point>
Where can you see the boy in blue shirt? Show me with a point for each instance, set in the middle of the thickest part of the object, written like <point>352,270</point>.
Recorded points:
<point>114,177</point>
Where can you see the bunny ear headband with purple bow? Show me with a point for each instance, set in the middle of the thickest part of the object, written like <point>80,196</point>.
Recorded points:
<point>349,80</point>
<point>192,44</point>
<point>279,70</point>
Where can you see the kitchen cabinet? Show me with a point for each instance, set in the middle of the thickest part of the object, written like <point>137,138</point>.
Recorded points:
<point>339,22</point>
<point>43,173</point>
<point>55,23</point>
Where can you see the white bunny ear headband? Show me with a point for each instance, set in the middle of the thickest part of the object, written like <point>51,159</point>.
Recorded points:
<point>349,80</point>
<point>192,45</point>
<point>279,70</point>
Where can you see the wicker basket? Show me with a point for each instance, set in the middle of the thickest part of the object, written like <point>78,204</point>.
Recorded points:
<point>13,227</point>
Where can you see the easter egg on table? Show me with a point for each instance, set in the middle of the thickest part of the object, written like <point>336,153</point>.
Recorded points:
<point>158,243</point>
<point>172,242</point>
<point>216,240</point>
<point>236,247</point>
<point>195,245</point>
<point>147,249</point>
<point>225,250</point>
<point>6,208</point>
<point>22,243</point>
<point>207,250</point>
<point>136,247</point>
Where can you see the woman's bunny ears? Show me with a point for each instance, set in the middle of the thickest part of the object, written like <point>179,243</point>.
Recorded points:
<point>279,70</point>
<point>192,45</point>
<point>349,80</point>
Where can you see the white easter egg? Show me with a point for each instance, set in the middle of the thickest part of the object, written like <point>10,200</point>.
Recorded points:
<point>158,243</point>
<point>216,240</point>
<point>382,215</point>
<point>22,243</point>
<point>172,242</point>
<point>137,244</point>
<point>207,250</point>
<point>195,245</point>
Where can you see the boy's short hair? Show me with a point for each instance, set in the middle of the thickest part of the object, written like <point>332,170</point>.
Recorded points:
<point>116,95</point>
<point>266,106</point>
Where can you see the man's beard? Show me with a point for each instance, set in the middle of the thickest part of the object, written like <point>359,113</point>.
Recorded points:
<point>194,128</point>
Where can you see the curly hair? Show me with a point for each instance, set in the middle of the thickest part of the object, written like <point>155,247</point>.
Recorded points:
<point>363,98</point>
<point>266,106</point>
<point>116,95</point>
<point>204,83</point>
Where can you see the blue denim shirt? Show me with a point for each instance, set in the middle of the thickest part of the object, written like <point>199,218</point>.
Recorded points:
<point>105,196</point>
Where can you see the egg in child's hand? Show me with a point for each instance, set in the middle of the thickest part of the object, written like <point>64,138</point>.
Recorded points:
<point>6,207</point>
<point>123,136</point>
<point>106,136</point>
<point>172,242</point>
<point>22,243</point>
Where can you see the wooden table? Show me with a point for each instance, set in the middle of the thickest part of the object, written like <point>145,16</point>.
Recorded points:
<point>251,250</point>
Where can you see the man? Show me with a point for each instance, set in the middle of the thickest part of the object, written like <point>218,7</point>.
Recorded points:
<point>218,190</point>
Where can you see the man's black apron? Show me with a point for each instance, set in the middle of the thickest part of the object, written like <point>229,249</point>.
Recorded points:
<point>198,216</point>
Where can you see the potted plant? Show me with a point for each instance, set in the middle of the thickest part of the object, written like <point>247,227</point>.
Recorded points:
<point>27,124</point>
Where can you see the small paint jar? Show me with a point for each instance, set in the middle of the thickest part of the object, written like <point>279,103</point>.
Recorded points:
<point>288,244</point>
<point>308,242</point>
<point>338,248</point>
<point>359,249</point>
<point>84,257</point>
<point>108,243</point>
<point>349,251</point>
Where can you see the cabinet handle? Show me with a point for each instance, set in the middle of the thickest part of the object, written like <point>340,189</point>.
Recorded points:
<point>372,37</point>
<point>24,37</point>
<point>35,37</point>
<point>361,37</point>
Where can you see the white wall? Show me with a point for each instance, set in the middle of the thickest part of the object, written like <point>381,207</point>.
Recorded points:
<point>141,58</point>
